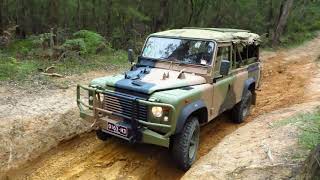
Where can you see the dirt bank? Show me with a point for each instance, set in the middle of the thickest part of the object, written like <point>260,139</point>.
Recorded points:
<point>259,150</point>
<point>36,118</point>
<point>286,76</point>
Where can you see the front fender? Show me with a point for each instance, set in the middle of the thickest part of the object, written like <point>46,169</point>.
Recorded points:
<point>186,112</point>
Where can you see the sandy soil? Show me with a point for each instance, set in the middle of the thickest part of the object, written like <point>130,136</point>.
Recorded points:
<point>260,150</point>
<point>33,120</point>
<point>285,81</point>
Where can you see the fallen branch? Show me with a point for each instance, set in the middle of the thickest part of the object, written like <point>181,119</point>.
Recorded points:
<point>49,69</point>
<point>62,55</point>
<point>52,74</point>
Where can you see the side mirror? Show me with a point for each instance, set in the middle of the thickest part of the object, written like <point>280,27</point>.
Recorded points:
<point>224,67</point>
<point>130,56</point>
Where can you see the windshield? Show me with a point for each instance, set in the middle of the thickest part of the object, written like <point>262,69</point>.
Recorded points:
<point>185,51</point>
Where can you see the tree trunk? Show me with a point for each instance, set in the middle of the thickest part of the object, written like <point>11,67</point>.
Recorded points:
<point>65,16</point>
<point>192,12</point>
<point>94,16</point>
<point>107,24</point>
<point>285,9</point>
<point>160,19</point>
<point>270,20</point>
<point>22,19</point>
<point>201,5</point>
<point>1,18</point>
<point>53,13</point>
<point>78,14</point>
<point>217,20</point>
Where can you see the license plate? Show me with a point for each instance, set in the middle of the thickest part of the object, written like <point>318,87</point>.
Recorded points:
<point>118,129</point>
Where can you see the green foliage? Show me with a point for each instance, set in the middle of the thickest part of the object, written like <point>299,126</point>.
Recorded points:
<point>310,136</point>
<point>20,47</point>
<point>91,39</point>
<point>15,63</point>
<point>109,61</point>
<point>40,39</point>
<point>123,21</point>
<point>86,42</point>
<point>76,45</point>
<point>11,69</point>
<point>296,38</point>
<point>123,24</point>
<point>309,124</point>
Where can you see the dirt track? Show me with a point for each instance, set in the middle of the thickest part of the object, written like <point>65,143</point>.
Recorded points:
<point>285,78</point>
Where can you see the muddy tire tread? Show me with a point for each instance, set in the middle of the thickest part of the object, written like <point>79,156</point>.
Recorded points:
<point>180,146</point>
<point>237,110</point>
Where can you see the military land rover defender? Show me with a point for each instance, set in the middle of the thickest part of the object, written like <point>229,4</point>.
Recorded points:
<point>183,79</point>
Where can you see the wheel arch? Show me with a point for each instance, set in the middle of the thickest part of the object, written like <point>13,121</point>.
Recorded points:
<point>196,108</point>
<point>250,85</point>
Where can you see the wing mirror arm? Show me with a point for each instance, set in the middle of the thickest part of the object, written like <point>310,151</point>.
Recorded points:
<point>130,56</point>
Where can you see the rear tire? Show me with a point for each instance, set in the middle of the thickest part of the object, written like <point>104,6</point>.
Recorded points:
<point>185,144</point>
<point>241,110</point>
<point>102,135</point>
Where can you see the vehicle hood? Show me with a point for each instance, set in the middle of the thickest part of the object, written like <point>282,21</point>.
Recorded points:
<point>148,80</point>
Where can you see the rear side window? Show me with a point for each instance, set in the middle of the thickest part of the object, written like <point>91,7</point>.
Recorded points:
<point>244,55</point>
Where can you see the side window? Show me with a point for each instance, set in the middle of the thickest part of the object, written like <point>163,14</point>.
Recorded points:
<point>237,56</point>
<point>222,54</point>
<point>244,55</point>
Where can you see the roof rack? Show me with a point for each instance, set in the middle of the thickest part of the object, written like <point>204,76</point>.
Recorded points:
<point>219,29</point>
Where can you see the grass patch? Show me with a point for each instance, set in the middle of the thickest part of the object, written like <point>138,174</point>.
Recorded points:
<point>20,47</point>
<point>20,70</point>
<point>86,51</point>
<point>295,39</point>
<point>291,40</point>
<point>309,124</point>
<point>115,60</point>
<point>11,69</point>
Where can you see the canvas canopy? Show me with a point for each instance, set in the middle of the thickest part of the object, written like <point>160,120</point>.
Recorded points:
<point>237,36</point>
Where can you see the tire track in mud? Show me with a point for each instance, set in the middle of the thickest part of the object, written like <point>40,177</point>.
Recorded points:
<point>284,80</point>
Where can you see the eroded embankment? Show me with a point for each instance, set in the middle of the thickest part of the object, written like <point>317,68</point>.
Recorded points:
<point>36,118</point>
<point>284,81</point>
<point>263,149</point>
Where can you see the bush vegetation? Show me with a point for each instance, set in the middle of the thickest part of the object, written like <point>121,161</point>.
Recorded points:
<point>309,124</point>
<point>87,42</point>
<point>125,23</point>
<point>48,32</point>
<point>23,58</point>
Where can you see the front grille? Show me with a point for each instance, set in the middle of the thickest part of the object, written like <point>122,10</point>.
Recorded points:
<point>126,105</point>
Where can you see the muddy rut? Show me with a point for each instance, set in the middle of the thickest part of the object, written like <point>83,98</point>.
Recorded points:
<point>285,80</point>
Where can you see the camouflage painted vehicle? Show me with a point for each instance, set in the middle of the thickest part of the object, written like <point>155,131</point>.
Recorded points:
<point>183,79</point>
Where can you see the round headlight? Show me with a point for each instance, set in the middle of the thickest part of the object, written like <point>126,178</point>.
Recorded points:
<point>157,111</point>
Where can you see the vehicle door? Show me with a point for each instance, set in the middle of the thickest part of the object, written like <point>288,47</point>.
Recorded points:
<point>224,96</point>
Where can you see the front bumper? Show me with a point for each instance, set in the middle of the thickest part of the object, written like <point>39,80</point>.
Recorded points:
<point>142,130</point>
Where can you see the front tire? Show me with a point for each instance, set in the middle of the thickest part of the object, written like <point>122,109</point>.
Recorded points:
<point>241,110</point>
<point>185,144</point>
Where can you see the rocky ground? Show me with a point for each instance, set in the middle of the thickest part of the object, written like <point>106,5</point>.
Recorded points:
<point>40,130</point>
